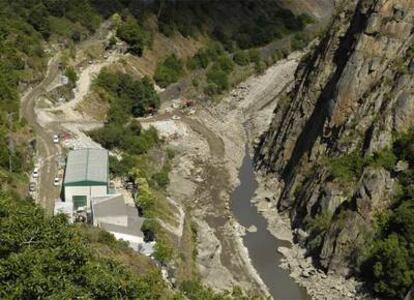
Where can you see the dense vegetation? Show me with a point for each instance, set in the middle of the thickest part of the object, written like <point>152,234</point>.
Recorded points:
<point>44,257</point>
<point>128,98</point>
<point>250,23</point>
<point>168,71</point>
<point>389,267</point>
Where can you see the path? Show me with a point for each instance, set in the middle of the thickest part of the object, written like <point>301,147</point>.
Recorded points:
<point>47,151</point>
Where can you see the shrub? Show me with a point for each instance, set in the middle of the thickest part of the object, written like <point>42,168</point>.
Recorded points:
<point>145,199</point>
<point>169,71</point>
<point>254,56</point>
<point>128,96</point>
<point>346,167</point>
<point>218,78</point>
<point>71,74</point>
<point>130,32</point>
<point>204,56</point>
<point>163,252</point>
<point>241,58</point>
<point>385,159</point>
<point>226,64</point>
<point>320,223</point>
<point>299,41</point>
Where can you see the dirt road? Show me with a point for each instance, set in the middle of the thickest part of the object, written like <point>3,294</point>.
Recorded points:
<point>47,151</point>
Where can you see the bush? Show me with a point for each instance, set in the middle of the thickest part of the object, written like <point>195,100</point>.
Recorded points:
<point>163,252</point>
<point>218,78</point>
<point>72,75</point>
<point>204,56</point>
<point>346,167</point>
<point>226,64</point>
<point>116,136</point>
<point>254,56</point>
<point>320,223</point>
<point>128,96</point>
<point>130,32</point>
<point>385,159</point>
<point>241,58</point>
<point>145,199</point>
<point>299,41</point>
<point>169,71</point>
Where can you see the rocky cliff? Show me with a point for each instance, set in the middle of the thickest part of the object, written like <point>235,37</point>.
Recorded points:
<point>328,141</point>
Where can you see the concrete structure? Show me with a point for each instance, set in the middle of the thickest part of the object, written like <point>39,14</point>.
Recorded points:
<point>87,199</point>
<point>115,216</point>
<point>86,176</point>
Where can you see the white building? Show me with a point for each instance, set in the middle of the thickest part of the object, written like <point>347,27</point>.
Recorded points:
<point>86,177</point>
<point>86,195</point>
<point>115,216</point>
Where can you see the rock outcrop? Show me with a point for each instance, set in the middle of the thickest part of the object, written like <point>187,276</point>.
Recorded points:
<point>352,95</point>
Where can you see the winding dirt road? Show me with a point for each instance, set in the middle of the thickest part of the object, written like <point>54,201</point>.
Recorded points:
<point>47,151</point>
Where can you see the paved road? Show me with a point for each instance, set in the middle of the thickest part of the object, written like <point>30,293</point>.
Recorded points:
<point>47,151</point>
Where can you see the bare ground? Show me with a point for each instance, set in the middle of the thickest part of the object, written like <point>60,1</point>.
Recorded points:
<point>206,172</point>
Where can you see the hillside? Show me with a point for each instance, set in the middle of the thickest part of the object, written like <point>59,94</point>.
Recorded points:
<point>340,147</point>
<point>45,257</point>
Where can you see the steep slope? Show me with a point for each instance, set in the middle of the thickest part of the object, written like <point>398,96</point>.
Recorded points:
<point>333,142</point>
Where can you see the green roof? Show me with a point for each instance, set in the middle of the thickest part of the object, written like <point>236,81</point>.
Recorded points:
<point>86,167</point>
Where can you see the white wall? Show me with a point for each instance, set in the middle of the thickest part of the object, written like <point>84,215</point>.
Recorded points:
<point>98,191</point>
<point>88,191</point>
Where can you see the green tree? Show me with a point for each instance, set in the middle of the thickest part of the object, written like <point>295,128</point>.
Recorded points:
<point>390,268</point>
<point>44,257</point>
<point>130,32</point>
<point>168,71</point>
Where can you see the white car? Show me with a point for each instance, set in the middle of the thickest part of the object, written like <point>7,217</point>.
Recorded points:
<point>175,117</point>
<point>55,139</point>
<point>35,173</point>
<point>32,187</point>
<point>56,181</point>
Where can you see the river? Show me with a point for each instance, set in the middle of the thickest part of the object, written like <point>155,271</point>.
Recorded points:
<point>262,245</point>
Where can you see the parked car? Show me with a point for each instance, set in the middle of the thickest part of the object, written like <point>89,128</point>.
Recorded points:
<point>56,139</point>
<point>56,181</point>
<point>32,186</point>
<point>35,173</point>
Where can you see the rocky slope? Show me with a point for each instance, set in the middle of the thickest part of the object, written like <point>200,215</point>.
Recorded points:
<point>352,96</point>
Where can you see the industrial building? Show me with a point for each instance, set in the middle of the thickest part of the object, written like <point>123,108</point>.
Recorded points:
<point>87,198</point>
<point>86,177</point>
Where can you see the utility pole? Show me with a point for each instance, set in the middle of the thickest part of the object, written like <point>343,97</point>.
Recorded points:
<point>11,146</point>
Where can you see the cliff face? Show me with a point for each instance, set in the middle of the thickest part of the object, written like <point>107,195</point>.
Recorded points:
<point>352,96</point>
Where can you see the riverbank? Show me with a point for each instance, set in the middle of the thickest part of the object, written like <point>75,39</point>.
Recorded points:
<point>210,148</point>
<point>260,243</point>
<point>318,284</point>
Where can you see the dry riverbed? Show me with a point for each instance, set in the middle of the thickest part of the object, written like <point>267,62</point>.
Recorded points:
<point>210,147</point>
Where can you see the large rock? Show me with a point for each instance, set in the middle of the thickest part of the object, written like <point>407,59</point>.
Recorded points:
<point>353,94</point>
